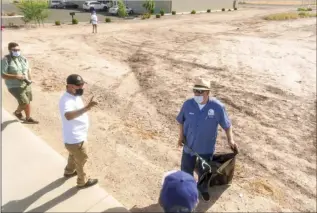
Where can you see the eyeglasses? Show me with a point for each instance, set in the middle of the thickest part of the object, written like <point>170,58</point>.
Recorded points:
<point>15,50</point>
<point>198,91</point>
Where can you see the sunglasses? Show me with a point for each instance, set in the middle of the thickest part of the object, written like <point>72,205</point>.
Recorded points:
<point>198,91</point>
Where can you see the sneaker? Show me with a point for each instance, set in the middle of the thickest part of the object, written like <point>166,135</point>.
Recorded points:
<point>90,182</point>
<point>205,196</point>
<point>18,115</point>
<point>70,175</point>
<point>31,121</point>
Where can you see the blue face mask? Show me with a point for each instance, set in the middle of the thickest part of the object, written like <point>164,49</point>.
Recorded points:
<point>16,53</point>
<point>199,99</point>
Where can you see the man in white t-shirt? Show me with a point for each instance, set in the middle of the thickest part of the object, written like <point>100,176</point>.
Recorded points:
<point>94,21</point>
<point>75,129</point>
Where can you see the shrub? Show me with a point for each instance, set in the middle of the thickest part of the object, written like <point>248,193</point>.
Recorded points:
<point>209,10</point>
<point>158,16</point>
<point>173,12</point>
<point>235,8</point>
<point>229,10</point>
<point>193,12</point>
<point>74,21</point>
<point>162,12</point>
<point>33,10</point>
<point>146,16</point>
<point>122,10</point>
<point>107,19</point>
<point>301,9</point>
<point>57,23</point>
<point>223,9</point>
<point>309,9</point>
<point>15,2</point>
<point>149,5</point>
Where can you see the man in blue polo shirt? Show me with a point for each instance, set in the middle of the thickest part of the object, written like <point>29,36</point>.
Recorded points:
<point>198,120</point>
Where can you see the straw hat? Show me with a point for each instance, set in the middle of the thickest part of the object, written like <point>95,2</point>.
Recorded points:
<point>201,84</point>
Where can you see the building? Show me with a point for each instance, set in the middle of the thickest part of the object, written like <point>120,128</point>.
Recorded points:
<point>182,5</point>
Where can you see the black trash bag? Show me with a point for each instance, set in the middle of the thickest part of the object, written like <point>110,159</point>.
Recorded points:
<point>222,170</point>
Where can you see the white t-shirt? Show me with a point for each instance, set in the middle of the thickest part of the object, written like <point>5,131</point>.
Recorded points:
<point>94,19</point>
<point>201,106</point>
<point>76,130</point>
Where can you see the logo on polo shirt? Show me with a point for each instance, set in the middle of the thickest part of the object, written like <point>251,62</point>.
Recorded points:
<point>211,113</point>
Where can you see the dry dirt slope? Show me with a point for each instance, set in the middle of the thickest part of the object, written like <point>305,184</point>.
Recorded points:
<point>142,71</point>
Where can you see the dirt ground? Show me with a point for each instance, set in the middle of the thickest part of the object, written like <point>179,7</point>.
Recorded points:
<point>141,72</point>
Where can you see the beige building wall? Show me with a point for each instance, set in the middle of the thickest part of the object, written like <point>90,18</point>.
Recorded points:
<point>201,5</point>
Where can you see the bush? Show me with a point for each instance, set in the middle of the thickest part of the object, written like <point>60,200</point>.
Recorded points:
<point>223,9</point>
<point>57,23</point>
<point>173,12</point>
<point>209,10</point>
<point>229,10</point>
<point>15,2</point>
<point>74,21</point>
<point>107,20</point>
<point>33,10</point>
<point>304,9</point>
<point>158,16</point>
<point>193,12</point>
<point>146,16</point>
<point>235,8</point>
<point>309,9</point>
<point>149,5</point>
<point>122,10</point>
<point>162,12</point>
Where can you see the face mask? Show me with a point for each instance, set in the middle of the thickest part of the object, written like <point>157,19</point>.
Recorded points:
<point>79,92</point>
<point>16,53</point>
<point>199,99</point>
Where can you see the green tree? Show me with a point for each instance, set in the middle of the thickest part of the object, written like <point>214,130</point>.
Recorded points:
<point>149,5</point>
<point>122,10</point>
<point>34,10</point>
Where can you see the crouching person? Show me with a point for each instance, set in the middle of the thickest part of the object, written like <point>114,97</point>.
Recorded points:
<point>179,192</point>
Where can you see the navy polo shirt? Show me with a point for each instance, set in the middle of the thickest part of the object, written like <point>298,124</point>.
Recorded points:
<point>200,126</point>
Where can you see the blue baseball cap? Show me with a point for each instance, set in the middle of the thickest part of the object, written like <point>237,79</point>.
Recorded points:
<point>179,192</point>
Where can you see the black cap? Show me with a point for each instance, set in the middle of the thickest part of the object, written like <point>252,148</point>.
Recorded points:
<point>75,79</point>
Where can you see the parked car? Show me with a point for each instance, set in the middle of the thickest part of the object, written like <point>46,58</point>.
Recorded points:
<point>67,5</point>
<point>114,10</point>
<point>108,4</point>
<point>89,5</point>
<point>53,4</point>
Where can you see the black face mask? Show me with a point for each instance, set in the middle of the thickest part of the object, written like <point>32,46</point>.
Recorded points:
<point>79,92</point>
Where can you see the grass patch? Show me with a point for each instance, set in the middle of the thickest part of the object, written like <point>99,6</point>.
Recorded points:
<point>289,16</point>
<point>304,9</point>
<point>74,21</point>
<point>173,12</point>
<point>107,19</point>
<point>158,15</point>
<point>146,16</point>
<point>57,23</point>
<point>193,12</point>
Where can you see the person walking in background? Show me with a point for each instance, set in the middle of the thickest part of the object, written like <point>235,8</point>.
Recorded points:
<point>198,121</point>
<point>17,76</point>
<point>75,125</point>
<point>179,192</point>
<point>94,21</point>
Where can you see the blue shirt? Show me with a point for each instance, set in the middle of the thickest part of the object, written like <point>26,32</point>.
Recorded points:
<point>201,126</point>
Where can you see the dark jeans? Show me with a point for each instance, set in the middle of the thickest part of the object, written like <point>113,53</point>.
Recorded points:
<point>188,165</point>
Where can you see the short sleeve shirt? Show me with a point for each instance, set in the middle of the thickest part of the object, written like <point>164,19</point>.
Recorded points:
<point>75,130</point>
<point>201,125</point>
<point>15,66</point>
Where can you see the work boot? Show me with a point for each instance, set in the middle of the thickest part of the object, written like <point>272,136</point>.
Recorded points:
<point>90,182</point>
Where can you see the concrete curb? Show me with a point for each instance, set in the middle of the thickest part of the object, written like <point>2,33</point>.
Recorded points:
<point>32,177</point>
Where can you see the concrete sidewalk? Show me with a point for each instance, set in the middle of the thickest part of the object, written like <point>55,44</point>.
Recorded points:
<point>32,177</point>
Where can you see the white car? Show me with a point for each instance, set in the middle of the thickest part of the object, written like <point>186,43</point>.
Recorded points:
<point>114,10</point>
<point>89,5</point>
